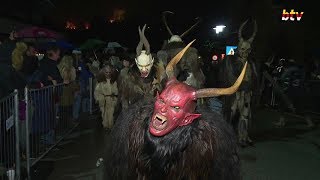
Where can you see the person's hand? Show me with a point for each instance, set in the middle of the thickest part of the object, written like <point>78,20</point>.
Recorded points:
<point>41,85</point>
<point>66,82</point>
<point>54,82</point>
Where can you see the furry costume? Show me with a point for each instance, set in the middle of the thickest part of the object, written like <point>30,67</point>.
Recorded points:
<point>189,68</point>
<point>143,79</point>
<point>178,152</point>
<point>133,87</point>
<point>243,98</point>
<point>169,140</point>
<point>106,93</point>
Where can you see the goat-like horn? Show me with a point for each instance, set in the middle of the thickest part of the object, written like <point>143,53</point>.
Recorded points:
<point>164,19</point>
<point>145,40</point>
<point>240,30</point>
<point>254,32</point>
<point>194,25</point>
<point>213,92</point>
<point>175,60</point>
<point>140,44</point>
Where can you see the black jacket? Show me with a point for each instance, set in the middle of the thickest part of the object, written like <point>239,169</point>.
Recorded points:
<point>30,65</point>
<point>47,68</point>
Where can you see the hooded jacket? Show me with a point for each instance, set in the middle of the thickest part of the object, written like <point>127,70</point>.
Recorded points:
<point>17,55</point>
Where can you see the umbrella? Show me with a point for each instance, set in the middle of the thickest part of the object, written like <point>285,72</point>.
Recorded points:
<point>37,32</point>
<point>92,44</point>
<point>113,45</point>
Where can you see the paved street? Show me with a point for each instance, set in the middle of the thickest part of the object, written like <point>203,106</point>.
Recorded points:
<point>292,152</point>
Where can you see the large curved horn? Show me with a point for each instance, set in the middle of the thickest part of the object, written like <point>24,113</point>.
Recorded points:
<point>254,32</point>
<point>140,44</point>
<point>145,40</point>
<point>164,19</point>
<point>194,25</point>
<point>175,60</point>
<point>213,92</point>
<point>240,30</point>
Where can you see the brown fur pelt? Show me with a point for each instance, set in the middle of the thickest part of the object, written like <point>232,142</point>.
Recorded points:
<point>133,87</point>
<point>206,149</point>
<point>189,63</point>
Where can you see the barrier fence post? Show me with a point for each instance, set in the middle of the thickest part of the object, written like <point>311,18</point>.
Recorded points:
<point>16,119</point>
<point>91,94</point>
<point>26,97</point>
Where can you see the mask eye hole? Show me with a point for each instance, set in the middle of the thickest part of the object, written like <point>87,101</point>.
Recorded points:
<point>177,108</point>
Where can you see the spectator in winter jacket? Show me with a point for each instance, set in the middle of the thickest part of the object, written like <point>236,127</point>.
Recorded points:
<point>30,61</point>
<point>17,55</point>
<point>50,74</point>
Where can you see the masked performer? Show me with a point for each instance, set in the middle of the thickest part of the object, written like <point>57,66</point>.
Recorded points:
<point>106,93</point>
<point>241,103</point>
<point>169,137</point>
<point>143,79</point>
<point>188,70</point>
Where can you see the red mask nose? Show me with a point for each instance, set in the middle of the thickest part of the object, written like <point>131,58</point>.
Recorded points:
<point>163,109</point>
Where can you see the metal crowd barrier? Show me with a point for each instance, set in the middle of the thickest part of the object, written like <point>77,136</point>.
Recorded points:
<point>9,140</point>
<point>50,121</point>
<point>30,127</point>
<point>91,89</point>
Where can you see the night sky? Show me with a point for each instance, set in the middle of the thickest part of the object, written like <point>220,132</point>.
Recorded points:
<point>97,12</point>
<point>138,12</point>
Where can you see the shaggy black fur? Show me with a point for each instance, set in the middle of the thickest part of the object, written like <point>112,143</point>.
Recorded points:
<point>206,149</point>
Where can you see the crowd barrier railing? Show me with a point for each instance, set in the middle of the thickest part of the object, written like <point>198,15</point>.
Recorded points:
<point>9,140</point>
<point>33,123</point>
<point>49,118</point>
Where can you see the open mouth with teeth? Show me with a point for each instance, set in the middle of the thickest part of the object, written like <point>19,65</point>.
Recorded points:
<point>159,122</point>
<point>144,74</point>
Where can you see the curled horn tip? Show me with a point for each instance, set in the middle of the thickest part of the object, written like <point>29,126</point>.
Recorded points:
<point>176,59</point>
<point>214,92</point>
<point>144,27</point>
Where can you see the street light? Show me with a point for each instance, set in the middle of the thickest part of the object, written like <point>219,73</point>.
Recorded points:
<point>219,28</point>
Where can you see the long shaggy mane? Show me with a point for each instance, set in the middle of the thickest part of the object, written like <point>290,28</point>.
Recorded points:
<point>206,149</point>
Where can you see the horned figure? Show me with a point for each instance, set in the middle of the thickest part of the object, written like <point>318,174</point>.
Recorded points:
<point>243,98</point>
<point>244,46</point>
<point>169,137</point>
<point>144,78</point>
<point>177,38</point>
<point>188,70</point>
<point>144,59</point>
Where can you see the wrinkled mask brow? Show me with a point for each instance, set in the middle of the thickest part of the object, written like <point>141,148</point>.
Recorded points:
<point>144,65</point>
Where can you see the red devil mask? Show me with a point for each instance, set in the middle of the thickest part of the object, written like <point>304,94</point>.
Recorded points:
<point>176,104</point>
